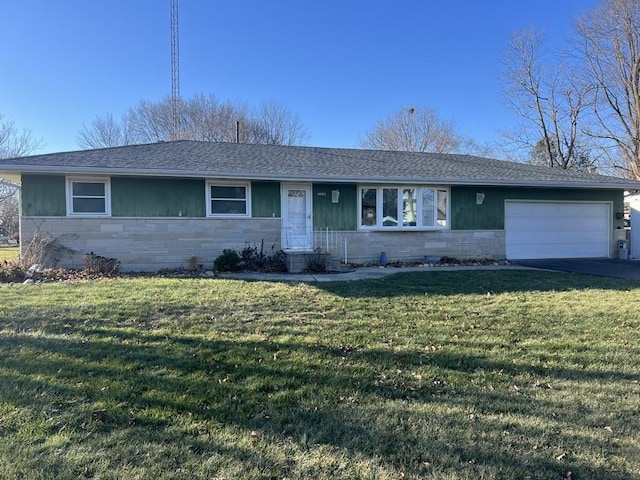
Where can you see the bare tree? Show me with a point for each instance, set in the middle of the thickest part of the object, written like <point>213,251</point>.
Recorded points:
<point>15,142</point>
<point>581,158</point>
<point>200,117</point>
<point>154,122</point>
<point>274,123</point>
<point>10,211</point>
<point>543,90</point>
<point>105,131</point>
<point>469,146</point>
<point>9,206</point>
<point>609,37</point>
<point>207,118</point>
<point>8,189</point>
<point>414,130</point>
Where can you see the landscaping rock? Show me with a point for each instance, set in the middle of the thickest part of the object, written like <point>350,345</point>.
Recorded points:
<point>33,269</point>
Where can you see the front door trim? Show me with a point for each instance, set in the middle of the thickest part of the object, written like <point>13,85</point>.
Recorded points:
<point>297,226</point>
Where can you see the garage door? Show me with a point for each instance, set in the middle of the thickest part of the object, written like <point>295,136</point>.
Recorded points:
<point>557,230</point>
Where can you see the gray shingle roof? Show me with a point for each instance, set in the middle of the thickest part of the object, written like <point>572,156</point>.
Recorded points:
<point>269,162</point>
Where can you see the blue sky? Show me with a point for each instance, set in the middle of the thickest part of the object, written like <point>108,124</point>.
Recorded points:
<point>341,65</point>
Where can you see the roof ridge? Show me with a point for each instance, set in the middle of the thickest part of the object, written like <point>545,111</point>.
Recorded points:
<point>192,158</point>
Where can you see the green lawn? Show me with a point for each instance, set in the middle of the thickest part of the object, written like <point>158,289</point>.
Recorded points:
<point>9,253</point>
<point>441,375</point>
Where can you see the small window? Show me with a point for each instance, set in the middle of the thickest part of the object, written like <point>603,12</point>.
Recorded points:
<point>228,200</point>
<point>88,197</point>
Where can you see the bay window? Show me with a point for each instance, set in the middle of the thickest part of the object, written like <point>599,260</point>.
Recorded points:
<point>403,207</point>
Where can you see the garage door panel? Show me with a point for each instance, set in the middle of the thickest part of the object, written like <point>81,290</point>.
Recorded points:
<point>554,250</point>
<point>557,230</point>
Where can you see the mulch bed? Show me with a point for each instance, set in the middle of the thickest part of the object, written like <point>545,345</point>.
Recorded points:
<point>12,272</point>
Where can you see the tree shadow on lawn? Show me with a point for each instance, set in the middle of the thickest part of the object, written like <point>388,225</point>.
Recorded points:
<point>365,401</point>
<point>473,282</point>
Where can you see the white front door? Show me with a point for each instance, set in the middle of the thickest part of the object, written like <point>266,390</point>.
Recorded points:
<point>297,229</point>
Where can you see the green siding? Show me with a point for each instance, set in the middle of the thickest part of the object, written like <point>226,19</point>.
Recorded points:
<point>466,215</point>
<point>43,196</point>
<point>335,216</point>
<point>265,199</point>
<point>157,197</point>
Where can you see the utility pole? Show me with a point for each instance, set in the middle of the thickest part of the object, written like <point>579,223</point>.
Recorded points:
<point>175,69</point>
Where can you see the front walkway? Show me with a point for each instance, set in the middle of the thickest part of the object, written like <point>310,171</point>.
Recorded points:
<point>361,273</point>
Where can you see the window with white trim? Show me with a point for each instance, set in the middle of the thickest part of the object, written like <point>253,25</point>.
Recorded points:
<point>228,199</point>
<point>88,196</point>
<point>403,207</point>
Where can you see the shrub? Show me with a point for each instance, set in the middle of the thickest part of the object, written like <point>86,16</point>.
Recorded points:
<point>251,258</point>
<point>316,264</point>
<point>95,264</point>
<point>11,271</point>
<point>194,263</point>
<point>43,250</point>
<point>275,263</point>
<point>227,261</point>
<point>257,261</point>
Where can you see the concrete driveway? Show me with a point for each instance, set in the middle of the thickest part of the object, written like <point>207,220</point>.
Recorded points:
<point>602,267</point>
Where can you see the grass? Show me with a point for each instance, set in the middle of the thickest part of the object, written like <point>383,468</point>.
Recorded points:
<point>9,253</point>
<point>442,375</point>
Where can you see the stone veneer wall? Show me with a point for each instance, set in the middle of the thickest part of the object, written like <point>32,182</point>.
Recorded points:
<point>150,244</point>
<point>366,247</point>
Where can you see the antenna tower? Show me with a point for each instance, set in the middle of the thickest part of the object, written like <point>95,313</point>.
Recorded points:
<point>175,67</point>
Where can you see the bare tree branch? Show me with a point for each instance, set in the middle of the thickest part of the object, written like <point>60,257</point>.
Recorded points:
<point>105,131</point>
<point>207,118</point>
<point>10,213</point>
<point>551,102</point>
<point>274,123</point>
<point>200,117</point>
<point>609,40</point>
<point>153,122</point>
<point>8,189</point>
<point>414,130</point>
<point>15,142</point>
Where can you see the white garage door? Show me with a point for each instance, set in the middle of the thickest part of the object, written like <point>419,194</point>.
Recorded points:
<point>557,230</point>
